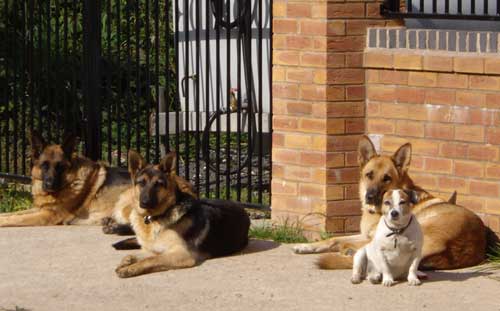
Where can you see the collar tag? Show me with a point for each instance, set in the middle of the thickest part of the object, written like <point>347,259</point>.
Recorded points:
<point>147,219</point>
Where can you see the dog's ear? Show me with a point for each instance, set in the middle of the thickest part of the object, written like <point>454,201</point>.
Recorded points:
<point>135,163</point>
<point>402,157</point>
<point>37,144</point>
<point>168,163</point>
<point>69,143</point>
<point>366,150</point>
<point>453,198</point>
<point>184,186</point>
<point>412,196</point>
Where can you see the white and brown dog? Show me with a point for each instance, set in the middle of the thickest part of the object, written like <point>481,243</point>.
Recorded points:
<point>396,248</point>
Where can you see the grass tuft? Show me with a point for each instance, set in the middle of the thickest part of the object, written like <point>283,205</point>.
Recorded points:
<point>285,232</point>
<point>14,197</point>
<point>494,256</point>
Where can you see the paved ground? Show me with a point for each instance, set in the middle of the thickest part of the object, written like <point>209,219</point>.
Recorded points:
<point>71,268</point>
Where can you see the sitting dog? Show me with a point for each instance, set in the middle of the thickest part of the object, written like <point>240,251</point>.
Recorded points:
<point>396,248</point>
<point>174,229</point>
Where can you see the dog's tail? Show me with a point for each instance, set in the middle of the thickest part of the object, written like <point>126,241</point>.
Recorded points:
<point>334,261</point>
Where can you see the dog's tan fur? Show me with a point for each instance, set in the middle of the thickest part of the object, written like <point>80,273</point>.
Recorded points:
<point>454,237</point>
<point>87,195</point>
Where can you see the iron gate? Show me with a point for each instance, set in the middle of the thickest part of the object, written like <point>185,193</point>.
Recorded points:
<point>186,75</point>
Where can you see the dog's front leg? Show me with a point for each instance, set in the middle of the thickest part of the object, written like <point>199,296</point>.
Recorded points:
<point>28,211</point>
<point>383,266</point>
<point>413,271</point>
<point>334,244</point>
<point>132,266</point>
<point>359,266</point>
<point>35,218</point>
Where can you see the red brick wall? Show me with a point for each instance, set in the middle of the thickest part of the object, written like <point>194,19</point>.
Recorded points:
<point>318,110</point>
<point>448,106</point>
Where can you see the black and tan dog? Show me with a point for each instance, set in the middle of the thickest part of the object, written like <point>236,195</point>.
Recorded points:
<point>454,237</point>
<point>174,229</point>
<point>66,188</point>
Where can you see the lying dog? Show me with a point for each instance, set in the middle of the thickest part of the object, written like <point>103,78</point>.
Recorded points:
<point>66,188</point>
<point>174,229</point>
<point>454,237</point>
<point>396,248</point>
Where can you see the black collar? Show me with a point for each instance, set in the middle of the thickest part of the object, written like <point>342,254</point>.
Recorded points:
<point>183,202</point>
<point>397,230</point>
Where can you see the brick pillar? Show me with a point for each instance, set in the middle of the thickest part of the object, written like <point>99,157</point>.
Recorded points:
<point>318,111</point>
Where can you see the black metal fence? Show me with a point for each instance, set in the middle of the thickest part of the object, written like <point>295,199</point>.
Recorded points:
<point>186,75</point>
<point>488,10</point>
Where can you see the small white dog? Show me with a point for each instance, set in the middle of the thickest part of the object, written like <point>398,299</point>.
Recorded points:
<point>395,251</point>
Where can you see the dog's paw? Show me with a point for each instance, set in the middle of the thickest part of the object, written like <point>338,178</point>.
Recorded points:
<point>127,261</point>
<point>124,272</point>
<point>388,282</point>
<point>414,281</point>
<point>303,249</point>
<point>356,279</point>
<point>375,278</point>
<point>106,221</point>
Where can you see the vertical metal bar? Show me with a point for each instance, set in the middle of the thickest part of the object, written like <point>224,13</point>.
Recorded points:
<point>228,100</point>
<point>119,100</point>
<point>217,100</point>
<point>207,91</point>
<point>137,77</point>
<point>65,58</point>
<point>74,98</point>
<point>57,77</point>
<point>259,127</point>
<point>250,97</point>
<point>238,117</point>
<point>92,30</point>
<point>167,76</point>
<point>498,7</point>
<point>31,89</point>
<point>434,6</point>
<point>270,118</point>
<point>177,95</point>
<point>473,7</point>
<point>148,84</point>
<point>409,9</point>
<point>7,111</point>
<point>486,7</point>
<point>186,94</point>
<point>197,101</point>
<point>157,81</point>
<point>109,95</point>
<point>15,99</point>
<point>459,6</point>
<point>129,74</point>
<point>446,6</point>
<point>422,6</point>
<point>48,87</point>
<point>40,67</point>
<point>23,89</point>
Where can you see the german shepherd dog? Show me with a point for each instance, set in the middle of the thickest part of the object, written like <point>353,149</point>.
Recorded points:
<point>454,237</point>
<point>174,229</point>
<point>66,188</point>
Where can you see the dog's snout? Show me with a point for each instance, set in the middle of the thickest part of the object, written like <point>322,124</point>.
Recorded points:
<point>371,196</point>
<point>394,214</point>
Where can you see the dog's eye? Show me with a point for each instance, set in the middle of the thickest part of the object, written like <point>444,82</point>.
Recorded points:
<point>402,202</point>
<point>160,182</point>
<point>369,175</point>
<point>387,203</point>
<point>45,165</point>
<point>387,179</point>
<point>140,182</point>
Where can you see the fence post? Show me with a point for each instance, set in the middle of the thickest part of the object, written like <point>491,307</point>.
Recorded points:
<point>92,54</point>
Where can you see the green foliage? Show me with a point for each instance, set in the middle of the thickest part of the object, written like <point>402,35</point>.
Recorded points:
<point>284,232</point>
<point>494,256</point>
<point>14,198</point>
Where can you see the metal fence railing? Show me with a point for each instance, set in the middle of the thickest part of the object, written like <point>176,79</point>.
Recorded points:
<point>152,75</point>
<point>488,10</point>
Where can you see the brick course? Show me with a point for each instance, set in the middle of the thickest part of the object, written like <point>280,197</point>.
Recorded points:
<point>447,104</point>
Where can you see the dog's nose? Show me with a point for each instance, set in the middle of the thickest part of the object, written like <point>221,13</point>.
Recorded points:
<point>394,214</point>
